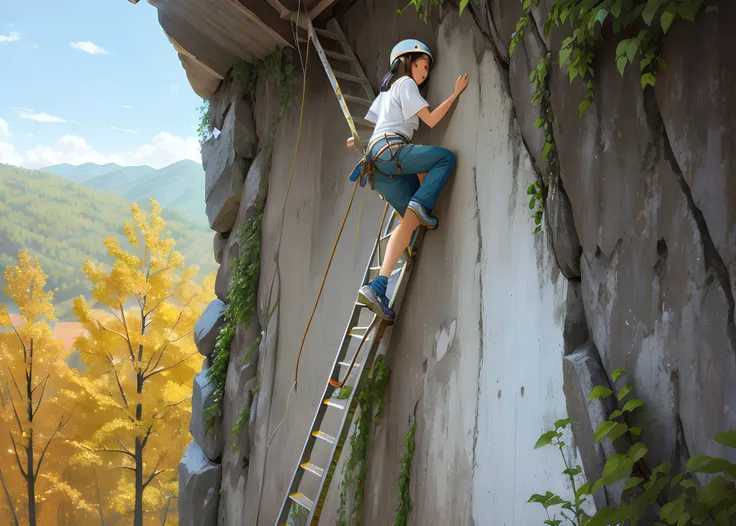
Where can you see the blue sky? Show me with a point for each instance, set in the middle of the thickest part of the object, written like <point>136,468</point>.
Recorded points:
<point>91,81</point>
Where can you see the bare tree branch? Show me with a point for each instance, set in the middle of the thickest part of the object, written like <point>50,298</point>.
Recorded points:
<point>123,467</point>
<point>39,383</point>
<point>145,439</point>
<point>117,379</point>
<point>40,398</point>
<point>121,451</point>
<point>12,377</point>
<point>156,471</point>
<point>125,325</point>
<point>61,425</point>
<point>154,474</point>
<point>10,501</point>
<point>25,351</point>
<point>170,366</point>
<point>15,411</point>
<point>158,304</point>
<point>124,446</point>
<point>99,324</point>
<point>17,457</point>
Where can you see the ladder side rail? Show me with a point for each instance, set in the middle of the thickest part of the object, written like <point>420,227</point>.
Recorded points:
<point>354,63</point>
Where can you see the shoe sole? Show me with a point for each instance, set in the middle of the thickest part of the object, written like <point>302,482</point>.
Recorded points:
<point>426,225</point>
<point>363,300</point>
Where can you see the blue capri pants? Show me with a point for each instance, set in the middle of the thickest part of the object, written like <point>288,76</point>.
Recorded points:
<point>401,185</point>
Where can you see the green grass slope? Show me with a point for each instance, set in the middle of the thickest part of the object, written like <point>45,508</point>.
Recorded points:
<point>64,224</point>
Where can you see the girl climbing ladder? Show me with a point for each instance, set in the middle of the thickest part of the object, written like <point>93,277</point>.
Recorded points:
<point>408,176</point>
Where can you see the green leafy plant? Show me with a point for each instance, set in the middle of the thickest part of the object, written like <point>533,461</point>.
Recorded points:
<point>651,19</point>
<point>298,516</point>
<point>355,468</point>
<point>240,308</point>
<point>422,7</point>
<point>204,128</point>
<point>679,498</point>
<point>404,507</point>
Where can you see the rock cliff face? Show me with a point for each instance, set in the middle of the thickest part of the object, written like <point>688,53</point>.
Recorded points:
<point>502,331</point>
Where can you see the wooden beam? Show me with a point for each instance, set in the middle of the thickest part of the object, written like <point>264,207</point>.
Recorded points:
<point>260,13</point>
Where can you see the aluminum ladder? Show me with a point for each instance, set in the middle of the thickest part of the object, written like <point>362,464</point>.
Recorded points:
<point>364,330</point>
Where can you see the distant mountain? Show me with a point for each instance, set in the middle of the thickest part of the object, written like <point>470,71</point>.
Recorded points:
<point>179,186</point>
<point>64,224</point>
<point>83,172</point>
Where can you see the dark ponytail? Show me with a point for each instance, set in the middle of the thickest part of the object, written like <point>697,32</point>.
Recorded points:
<point>388,78</point>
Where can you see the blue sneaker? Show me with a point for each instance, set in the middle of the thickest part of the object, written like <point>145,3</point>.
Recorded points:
<point>378,303</point>
<point>425,218</point>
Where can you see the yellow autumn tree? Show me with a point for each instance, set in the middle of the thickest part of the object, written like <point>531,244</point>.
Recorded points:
<point>38,396</point>
<point>140,360</point>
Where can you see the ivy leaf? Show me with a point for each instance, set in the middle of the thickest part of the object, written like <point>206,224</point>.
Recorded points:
<point>677,478</point>
<point>537,229</point>
<point>687,484</point>
<point>632,48</point>
<point>650,10</point>
<point>615,414</point>
<point>647,79</point>
<point>666,20</point>
<point>618,430</point>
<point>584,105</point>
<point>709,465</point>
<point>623,392</point>
<point>545,439</point>
<point>603,429</point>
<point>601,15</point>
<point>599,391</point>
<point>621,48</point>
<point>538,123</point>
<point>727,438</point>
<point>552,501</point>
<point>563,423</point>
<point>633,404</point>
<point>633,482</point>
<point>621,64</point>
<point>671,511</point>
<point>463,5</point>
<point>636,430</point>
<point>688,10</point>
<point>617,374</point>
<point>617,467</point>
<point>637,451</point>
<point>532,202</point>
<point>573,471</point>
<point>530,189</point>
<point>564,54</point>
<point>547,148</point>
<point>539,498</point>
<point>616,9</point>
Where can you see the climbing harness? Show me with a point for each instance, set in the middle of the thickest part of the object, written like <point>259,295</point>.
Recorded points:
<point>365,169</point>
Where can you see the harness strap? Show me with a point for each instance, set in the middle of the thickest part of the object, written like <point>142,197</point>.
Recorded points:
<point>366,167</point>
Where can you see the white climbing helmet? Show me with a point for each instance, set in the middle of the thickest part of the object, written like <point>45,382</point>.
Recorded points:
<point>409,46</point>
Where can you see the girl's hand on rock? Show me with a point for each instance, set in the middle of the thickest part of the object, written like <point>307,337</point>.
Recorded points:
<point>350,142</point>
<point>461,83</point>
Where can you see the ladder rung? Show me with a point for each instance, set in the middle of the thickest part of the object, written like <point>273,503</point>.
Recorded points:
<point>351,78</point>
<point>364,122</point>
<point>357,100</point>
<point>348,364</point>
<point>327,34</point>
<point>324,436</point>
<point>339,56</point>
<point>302,500</point>
<point>358,332</point>
<point>308,466</point>
<point>336,403</point>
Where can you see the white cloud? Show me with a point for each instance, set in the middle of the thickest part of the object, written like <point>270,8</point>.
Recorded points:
<point>89,47</point>
<point>161,150</point>
<point>123,130</point>
<point>11,37</point>
<point>39,117</point>
<point>8,155</point>
<point>126,106</point>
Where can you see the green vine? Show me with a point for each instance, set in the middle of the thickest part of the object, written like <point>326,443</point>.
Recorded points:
<point>650,19</point>
<point>240,308</point>
<point>204,128</point>
<point>298,516</point>
<point>355,468</point>
<point>404,508</point>
<point>422,7</point>
<point>679,498</point>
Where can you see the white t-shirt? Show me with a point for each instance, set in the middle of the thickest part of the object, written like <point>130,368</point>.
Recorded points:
<point>396,110</point>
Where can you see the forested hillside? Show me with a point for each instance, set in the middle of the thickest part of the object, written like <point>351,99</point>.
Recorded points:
<point>179,186</point>
<point>64,224</point>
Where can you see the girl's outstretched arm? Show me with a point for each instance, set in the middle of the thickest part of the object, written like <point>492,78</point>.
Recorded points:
<point>431,118</point>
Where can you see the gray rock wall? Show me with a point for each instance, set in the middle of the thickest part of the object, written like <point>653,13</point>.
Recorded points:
<point>501,331</point>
